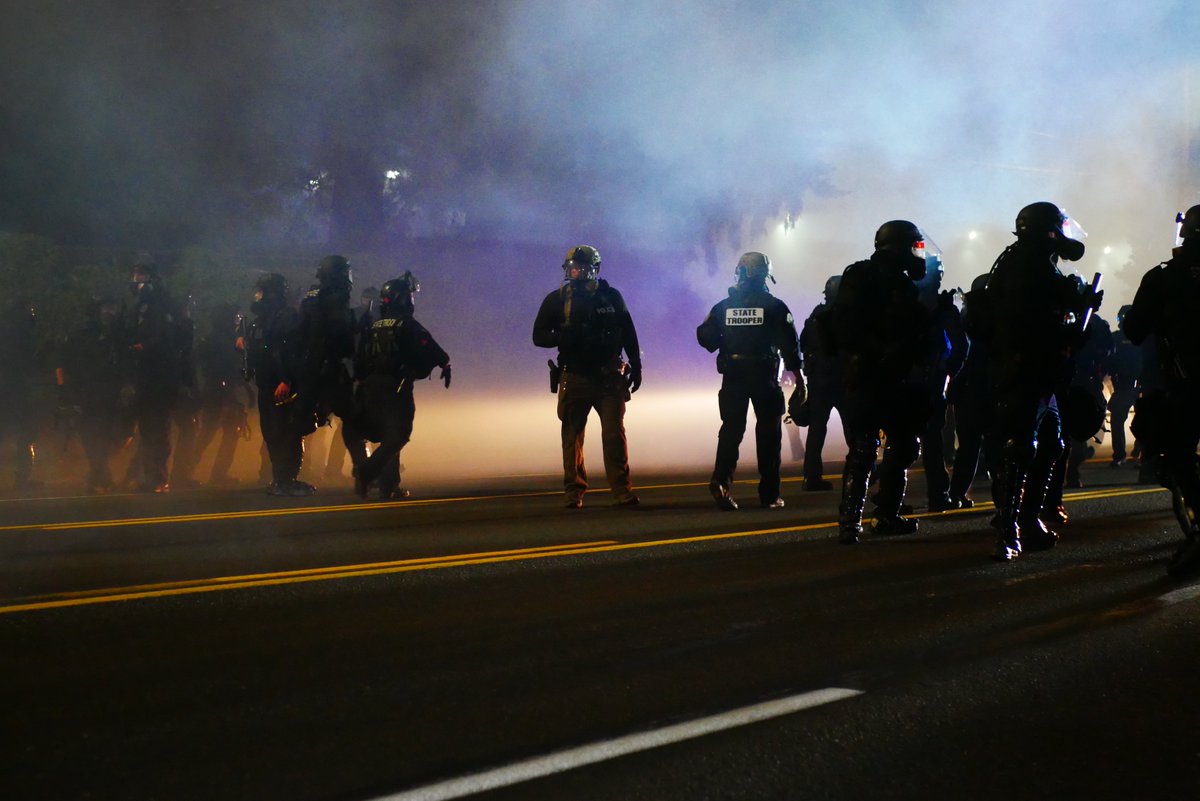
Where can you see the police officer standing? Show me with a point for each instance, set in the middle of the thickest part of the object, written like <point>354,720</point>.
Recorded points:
<point>395,352</point>
<point>364,315</point>
<point>1124,369</point>
<point>588,322</point>
<point>326,338</point>
<point>272,361</point>
<point>970,394</point>
<point>751,331</point>
<point>1165,308</point>
<point>944,359</point>
<point>155,337</point>
<point>1031,319</point>
<point>824,384</point>
<point>881,330</point>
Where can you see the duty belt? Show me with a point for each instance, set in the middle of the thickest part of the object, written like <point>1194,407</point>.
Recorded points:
<point>749,357</point>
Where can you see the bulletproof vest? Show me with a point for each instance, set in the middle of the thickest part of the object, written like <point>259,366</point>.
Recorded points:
<point>748,333</point>
<point>593,325</point>
<point>327,324</point>
<point>400,346</point>
<point>383,352</point>
<point>264,334</point>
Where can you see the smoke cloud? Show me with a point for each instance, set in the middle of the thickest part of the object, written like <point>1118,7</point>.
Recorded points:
<point>672,135</point>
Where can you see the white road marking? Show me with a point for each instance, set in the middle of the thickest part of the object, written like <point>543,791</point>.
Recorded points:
<point>569,759</point>
<point>1180,595</point>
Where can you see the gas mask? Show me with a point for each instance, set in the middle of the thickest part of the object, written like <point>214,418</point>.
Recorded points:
<point>1069,245</point>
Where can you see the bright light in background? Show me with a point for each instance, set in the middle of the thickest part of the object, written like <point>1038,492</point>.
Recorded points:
<point>1107,250</point>
<point>973,235</point>
<point>457,438</point>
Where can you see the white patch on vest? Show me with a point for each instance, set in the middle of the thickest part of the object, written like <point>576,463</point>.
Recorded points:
<point>740,316</point>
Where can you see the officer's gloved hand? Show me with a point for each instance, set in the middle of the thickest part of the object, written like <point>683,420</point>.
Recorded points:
<point>633,377</point>
<point>445,375</point>
<point>282,392</point>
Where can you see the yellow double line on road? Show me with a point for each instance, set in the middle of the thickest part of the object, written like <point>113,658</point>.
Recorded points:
<point>195,586</point>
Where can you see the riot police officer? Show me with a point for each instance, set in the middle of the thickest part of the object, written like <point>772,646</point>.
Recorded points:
<point>1165,309</point>
<point>272,360</point>
<point>881,332</point>
<point>1124,369</point>
<point>326,338</point>
<point>156,336</point>
<point>1031,318</point>
<point>824,384</point>
<point>751,331</point>
<point>971,397</point>
<point>944,359</point>
<point>395,352</point>
<point>587,320</point>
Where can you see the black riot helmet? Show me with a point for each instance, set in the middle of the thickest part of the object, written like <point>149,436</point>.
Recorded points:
<point>1190,223</point>
<point>753,269</point>
<point>396,296</point>
<point>144,279</point>
<point>334,272</point>
<point>272,285</point>
<point>906,240</point>
<point>831,288</point>
<point>1045,223</point>
<point>581,264</point>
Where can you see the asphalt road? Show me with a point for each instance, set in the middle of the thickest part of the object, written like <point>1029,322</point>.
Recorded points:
<point>228,645</point>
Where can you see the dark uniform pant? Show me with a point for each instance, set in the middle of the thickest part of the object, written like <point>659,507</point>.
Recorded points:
<point>152,410</point>
<point>821,404</point>
<point>578,394</point>
<point>740,390</point>
<point>899,412</point>
<point>387,409</point>
<point>1118,408</point>
<point>971,417</point>
<point>1168,429</point>
<point>280,435</point>
<point>1028,442</point>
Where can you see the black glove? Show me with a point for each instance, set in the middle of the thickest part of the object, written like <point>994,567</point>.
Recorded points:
<point>797,406</point>
<point>633,377</point>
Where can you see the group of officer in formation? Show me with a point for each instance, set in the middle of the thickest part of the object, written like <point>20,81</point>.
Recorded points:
<point>135,368</point>
<point>1022,364</point>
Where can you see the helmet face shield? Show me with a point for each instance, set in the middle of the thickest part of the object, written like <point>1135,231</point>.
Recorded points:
<point>1072,229</point>
<point>927,250</point>
<point>579,271</point>
<point>581,264</point>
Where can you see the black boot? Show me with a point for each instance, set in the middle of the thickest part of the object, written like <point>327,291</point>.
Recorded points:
<point>1035,534</point>
<point>888,520</point>
<point>855,479</point>
<point>1008,491</point>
